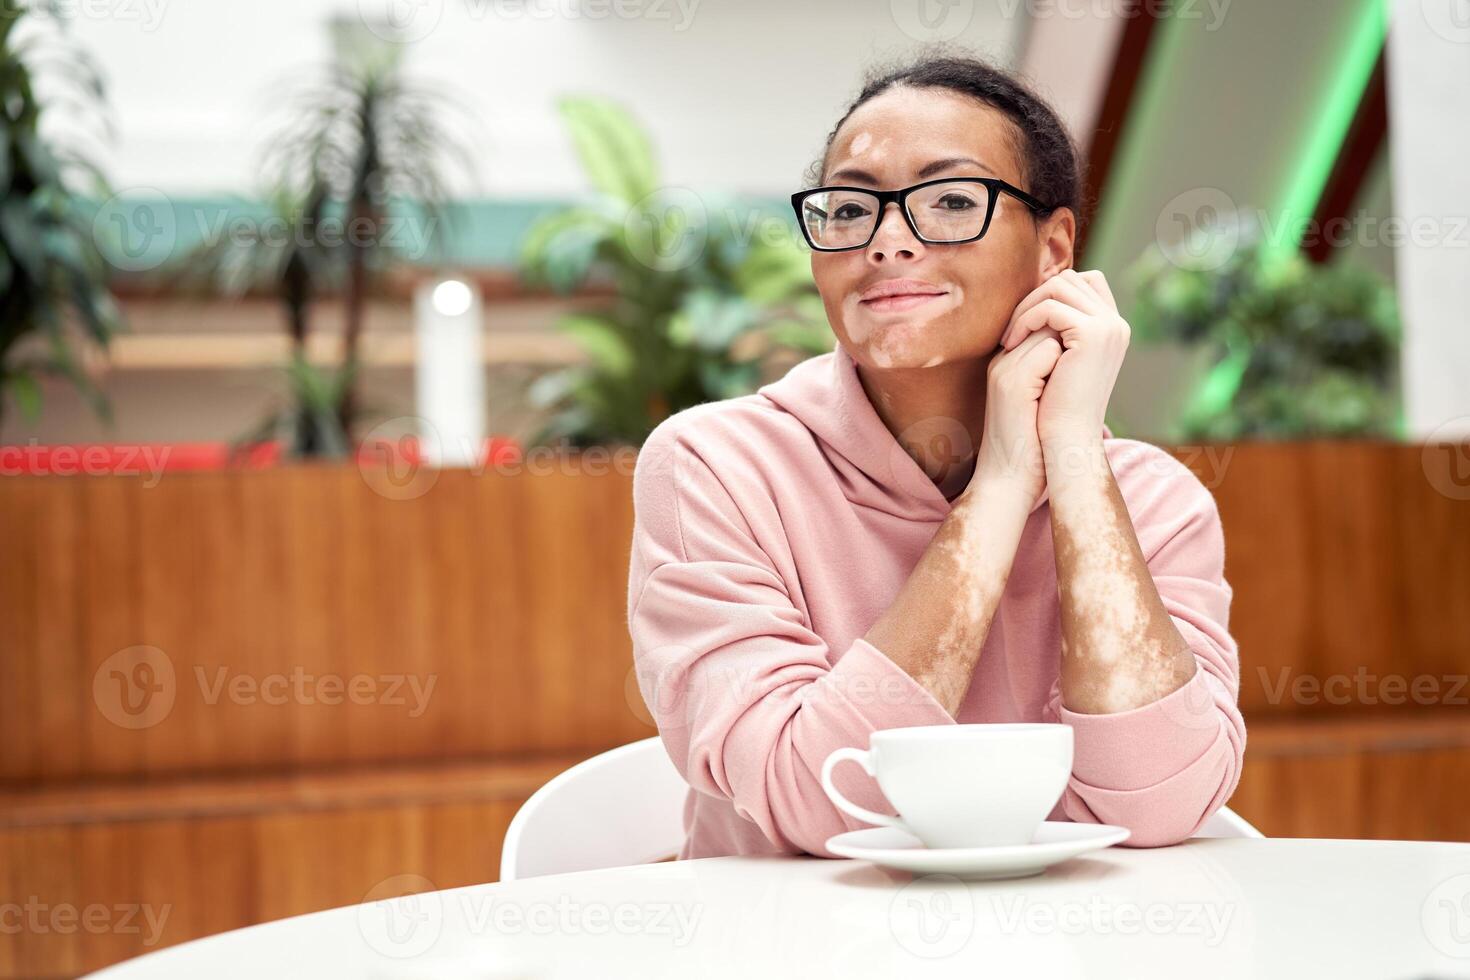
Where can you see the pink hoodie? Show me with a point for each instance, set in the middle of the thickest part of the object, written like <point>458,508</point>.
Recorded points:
<point>771,532</point>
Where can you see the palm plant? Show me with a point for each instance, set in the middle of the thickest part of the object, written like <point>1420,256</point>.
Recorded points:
<point>360,154</point>
<point>362,137</point>
<point>309,426</point>
<point>281,255</point>
<point>706,292</point>
<point>278,255</point>
<point>53,278</point>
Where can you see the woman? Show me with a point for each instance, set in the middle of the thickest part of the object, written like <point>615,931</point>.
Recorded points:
<point>931,524</point>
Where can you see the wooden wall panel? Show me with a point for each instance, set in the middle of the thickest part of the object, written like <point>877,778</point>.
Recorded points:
<point>1348,560</point>
<point>507,593</point>
<point>205,856</point>
<point>22,653</point>
<point>1389,779</point>
<point>1267,553</point>
<point>1431,536</point>
<point>204,876</point>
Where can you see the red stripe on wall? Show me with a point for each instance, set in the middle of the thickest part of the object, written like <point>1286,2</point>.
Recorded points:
<point>1118,99</point>
<point>1355,158</point>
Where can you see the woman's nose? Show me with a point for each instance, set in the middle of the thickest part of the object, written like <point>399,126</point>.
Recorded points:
<point>893,239</point>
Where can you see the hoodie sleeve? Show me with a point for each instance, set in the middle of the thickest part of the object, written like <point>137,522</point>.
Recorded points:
<point>748,699</point>
<point>1163,768</point>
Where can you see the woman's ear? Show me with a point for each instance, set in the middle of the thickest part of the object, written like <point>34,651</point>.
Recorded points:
<point>1056,235</point>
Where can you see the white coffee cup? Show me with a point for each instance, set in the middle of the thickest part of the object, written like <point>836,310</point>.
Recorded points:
<point>963,785</point>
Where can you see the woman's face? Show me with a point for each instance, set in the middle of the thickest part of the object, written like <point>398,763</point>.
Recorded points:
<point>903,137</point>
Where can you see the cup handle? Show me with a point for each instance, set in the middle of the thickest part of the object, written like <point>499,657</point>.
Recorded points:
<point>863,759</point>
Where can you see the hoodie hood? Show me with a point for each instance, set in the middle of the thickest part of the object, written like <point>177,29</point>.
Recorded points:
<point>825,394</point>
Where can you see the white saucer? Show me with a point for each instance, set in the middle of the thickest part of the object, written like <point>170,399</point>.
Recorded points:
<point>1055,840</point>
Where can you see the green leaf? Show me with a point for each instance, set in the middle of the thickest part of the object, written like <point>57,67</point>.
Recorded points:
<point>773,270</point>
<point>560,248</point>
<point>4,159</point>
<point>96,310</point>
<point>614,150</point>
<point>22,237</point>
<point>602,341</point>
<point>27,394</point>
<point>728,380</point>
<point>802,335</point>
<point>42,165</point>
<point>711,322</point>
<point>553,387</point>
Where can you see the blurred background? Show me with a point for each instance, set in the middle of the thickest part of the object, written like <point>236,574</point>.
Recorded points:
<point>329,331</point>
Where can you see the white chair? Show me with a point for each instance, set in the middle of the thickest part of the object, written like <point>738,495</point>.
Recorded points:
<point>1225,822</point>
<point>626,806</point>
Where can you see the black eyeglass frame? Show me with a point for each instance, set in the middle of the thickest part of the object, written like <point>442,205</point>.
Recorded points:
<point>994,185</point>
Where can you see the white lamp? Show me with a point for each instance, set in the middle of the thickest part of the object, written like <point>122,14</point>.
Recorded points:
<point>449,377</point>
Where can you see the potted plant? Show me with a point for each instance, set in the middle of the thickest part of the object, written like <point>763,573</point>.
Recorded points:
<point>1298,349</point>
<point>53,277</point>
<point>705,292</point>
<point>362,148</point>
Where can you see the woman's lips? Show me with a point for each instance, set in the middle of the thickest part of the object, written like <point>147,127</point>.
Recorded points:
<point>898,303</point>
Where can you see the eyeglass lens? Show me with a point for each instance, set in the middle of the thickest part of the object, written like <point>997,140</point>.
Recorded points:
<point>944,212</point>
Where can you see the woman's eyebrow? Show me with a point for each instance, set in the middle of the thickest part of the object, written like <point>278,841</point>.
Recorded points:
<point>924,173</point>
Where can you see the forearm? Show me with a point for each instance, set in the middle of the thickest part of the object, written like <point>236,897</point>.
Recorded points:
<point>935,627</point>
<point>1120,647</point>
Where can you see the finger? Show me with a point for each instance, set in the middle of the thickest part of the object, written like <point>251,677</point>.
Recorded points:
<point>1038,361</point>
<point>1007,362</point>
<point>1063,318</point>
<point>1091,301</point>
<point>1037,336</point>
<point>1049,288</point>
<point>1058,287</point>
<point>1026,368</point>
<point>1020,350</point>
<point>1099,284</point>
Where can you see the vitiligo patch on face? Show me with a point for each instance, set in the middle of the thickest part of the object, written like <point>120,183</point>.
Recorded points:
<point>891,340</point>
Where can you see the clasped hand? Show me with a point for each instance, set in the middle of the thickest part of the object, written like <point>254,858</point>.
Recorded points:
<point>1048,386</point>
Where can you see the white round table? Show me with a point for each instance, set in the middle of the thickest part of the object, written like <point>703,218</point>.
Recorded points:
<point>1204,908</point>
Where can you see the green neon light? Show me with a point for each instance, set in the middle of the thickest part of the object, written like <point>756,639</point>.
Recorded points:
<point>1324,142</point>
<point>1304,189</point>
<point>1218,389</point>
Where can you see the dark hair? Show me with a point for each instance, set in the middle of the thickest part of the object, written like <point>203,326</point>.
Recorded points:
<point>1049,159</point>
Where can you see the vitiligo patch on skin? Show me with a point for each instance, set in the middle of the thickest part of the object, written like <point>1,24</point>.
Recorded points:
<point>973,578</point>
<point>1119,648</point>
<point>890,340</point>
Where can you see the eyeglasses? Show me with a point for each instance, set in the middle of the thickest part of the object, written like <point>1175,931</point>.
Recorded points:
<point>947,211</point>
